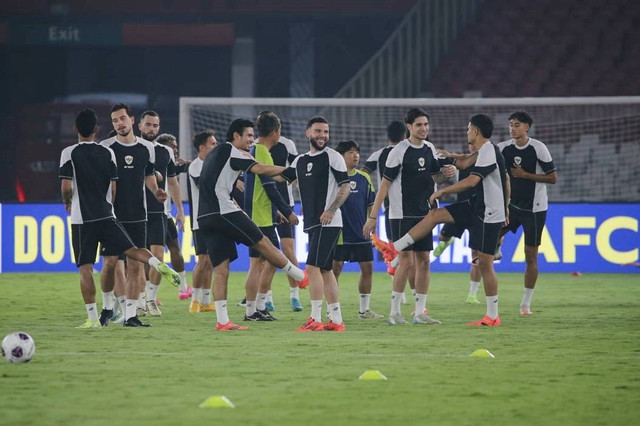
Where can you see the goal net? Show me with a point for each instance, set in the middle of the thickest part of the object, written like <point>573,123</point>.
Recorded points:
<point>594,142</point>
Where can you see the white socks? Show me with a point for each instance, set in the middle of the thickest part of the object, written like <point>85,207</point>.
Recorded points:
<point>396,299</point>
<point>335,314</point>
<point>250,309</point>
<point>142,302</point>
<point>195,295</point>
<point>293,271</point>
<point>526,297</point>
<point>403,242</point>
<point>122,301</point>
<point>154,262</point>
<point>108,300</point>
<point>294,293</point>
<point>205,296</point>
<point>421,302</point>
<point>473,287</point>
<point>152,291</point>
<point>130,308</point>
<point>261,301</point>
<point>316,310</point>
<point>492,306</point>
<point>364,302</point>
<point>92,311</point>
<point>221,312</point>
<point>183,281</point>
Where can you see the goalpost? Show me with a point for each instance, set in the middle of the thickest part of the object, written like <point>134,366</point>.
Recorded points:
<point>594,141</point>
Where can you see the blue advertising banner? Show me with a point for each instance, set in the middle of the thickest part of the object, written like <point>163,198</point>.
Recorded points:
<point>578,237</point>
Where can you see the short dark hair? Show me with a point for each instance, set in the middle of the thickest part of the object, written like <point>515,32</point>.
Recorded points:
<point>396,131</point>
<point>118,107</point>
<point>484,123</point>
<point>414,113</point>
<point>267,123</point>
<point>316,119</point>
<point>201,138</point>
<point>86,122</point>
<point>165,138</point>
<point>522,116</point>
<point>237,126</point>
<point>345,146</point>
<point>149,112</point>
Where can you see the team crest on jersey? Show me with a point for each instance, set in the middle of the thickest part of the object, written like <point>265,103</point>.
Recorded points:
<point>352,184</point>
<point>309,167</point>
<point>128,159</point>
<point>517,160</point>
<point>421,161</point>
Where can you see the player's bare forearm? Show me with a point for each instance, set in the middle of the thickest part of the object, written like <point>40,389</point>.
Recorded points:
<point>383,191</point>
<point>174,191</point>
<point>341,197</point>
<point>151,183</point>
<point>266,170</point>
<point>113,191</point>
<point>66,190</point>
<point>461,186</point>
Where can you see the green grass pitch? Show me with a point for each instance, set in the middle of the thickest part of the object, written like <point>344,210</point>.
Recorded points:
<point>575,362</point>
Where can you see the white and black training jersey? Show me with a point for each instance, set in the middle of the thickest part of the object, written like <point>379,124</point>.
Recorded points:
<point>193,189</point>
<point>220,169</point>
<point>490,196</point>
<point>377,163</point>
<point>135,162</point>
<point>182,168</point>
<point>319,175</point>
<point>410,169</point>
<point>91,168</point>
<point>165,164</point>
<point>533,157</point>
<point>372,164</point>
<point>283,154</point>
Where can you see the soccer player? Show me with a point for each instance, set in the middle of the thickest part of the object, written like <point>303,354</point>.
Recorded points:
<point>484,214</point>
<point>135,158</point>
<point>531,168</point>
<point>171,239</point>
<point>324,186</point>
<point>89,172</point>
<point>411,171</point>
<point>352,246</point>
<point>149,127</point>
<point>203,142</point>
<point>222,223</point>
<point>262,203</point>
<point>283,154</point>
<point>451,230</point>
<point>396,132</point>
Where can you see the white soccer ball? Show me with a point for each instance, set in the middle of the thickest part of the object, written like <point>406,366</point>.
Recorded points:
<point>18,347</point>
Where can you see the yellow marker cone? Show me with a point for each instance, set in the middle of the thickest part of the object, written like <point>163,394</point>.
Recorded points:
<point>217,401</point>
<point>482,353</point>
<point>372,375</point>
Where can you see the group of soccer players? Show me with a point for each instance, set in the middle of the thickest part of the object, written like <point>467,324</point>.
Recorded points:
<point>339,202</point>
